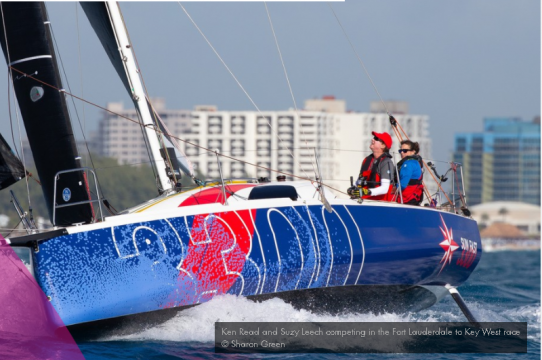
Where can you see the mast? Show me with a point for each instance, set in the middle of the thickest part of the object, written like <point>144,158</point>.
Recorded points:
<point>138,94</point>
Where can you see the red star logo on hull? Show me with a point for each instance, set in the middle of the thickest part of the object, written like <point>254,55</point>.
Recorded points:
<point>448,244</point>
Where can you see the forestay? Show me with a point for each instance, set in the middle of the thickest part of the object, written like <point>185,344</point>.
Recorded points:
<point>99,19</point>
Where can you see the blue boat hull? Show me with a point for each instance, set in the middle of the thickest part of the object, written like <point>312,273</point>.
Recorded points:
<point>182,261</point>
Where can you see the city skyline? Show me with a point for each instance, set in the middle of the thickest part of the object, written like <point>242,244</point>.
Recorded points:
<point>323,127</point>
<point>458,63</point>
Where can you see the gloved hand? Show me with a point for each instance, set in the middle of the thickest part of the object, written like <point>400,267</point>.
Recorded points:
<point>353,192</point>
<point>366,191</point>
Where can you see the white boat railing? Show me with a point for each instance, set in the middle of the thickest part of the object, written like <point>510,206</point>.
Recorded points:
<point>99,199</point>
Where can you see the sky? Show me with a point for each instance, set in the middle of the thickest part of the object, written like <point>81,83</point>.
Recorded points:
<point>455,61</point>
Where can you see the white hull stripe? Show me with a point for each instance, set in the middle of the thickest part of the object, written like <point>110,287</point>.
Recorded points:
<point>362,245</point>
<point>330,246</point>
<point>30,58</point>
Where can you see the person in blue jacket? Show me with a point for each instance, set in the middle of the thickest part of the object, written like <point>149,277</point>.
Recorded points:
<point>410,173</point>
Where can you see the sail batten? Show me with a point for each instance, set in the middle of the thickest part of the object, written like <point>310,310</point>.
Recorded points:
<point>30,58</point>
<point>27,46</point>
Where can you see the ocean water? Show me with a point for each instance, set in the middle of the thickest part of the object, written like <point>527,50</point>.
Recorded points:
<point>504,287</point>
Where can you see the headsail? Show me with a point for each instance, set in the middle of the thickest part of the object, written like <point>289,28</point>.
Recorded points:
<point>28,49</point>
<point>96,12</point>
<point>179,160</point>
<point>99,18</point>
<point>11,168</point>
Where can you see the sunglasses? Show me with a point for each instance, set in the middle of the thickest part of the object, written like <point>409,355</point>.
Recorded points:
<point>377,139</point>
<point>404,151</point>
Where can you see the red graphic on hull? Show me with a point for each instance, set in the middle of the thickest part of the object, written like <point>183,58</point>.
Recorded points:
<point>219,244</point>
<point>468,255</point>
<point>213,195</point>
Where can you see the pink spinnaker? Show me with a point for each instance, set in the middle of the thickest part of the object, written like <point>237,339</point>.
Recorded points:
<point>30,327</point>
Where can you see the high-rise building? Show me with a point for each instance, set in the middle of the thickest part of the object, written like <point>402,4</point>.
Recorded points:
<point>288,140</point>
<point>282,140</point>
<point>122,139</point>
<point>502,163</point>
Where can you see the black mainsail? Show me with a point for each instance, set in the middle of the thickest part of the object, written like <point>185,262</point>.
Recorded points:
<point>26,41</point>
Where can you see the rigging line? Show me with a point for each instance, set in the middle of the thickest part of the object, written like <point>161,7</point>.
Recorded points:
<point>140,120</point>
<point>299,148</point>
<point>69,87</point>
<point>147,147</point>
<point>436,181</point>
<point>147,98</point>
<point>147,144</point>
<point>219,57</point>
<point>55,45</point>
<point>280,56</point>
<point>124,165</point>
<point>16,111</point>
<point>75,96</point>
<point>83,127</point>
<point>454,167</point>
<point>157,122</point>
<point>398,134</point>
<point>265,168</point>
<point>237,81</point>
<point>401,129</point>
<point>359,58</point>
<point>376,90</point>
<point>400,137</point>
<point>367,72</point>
<point>80,65</point>
<point>396,131</point>
<point>15,228</point>
<point>22,152</point>
<point>196,145</point>
<point>10,118</point>
<point>145,140</point>
<point>37,230</point>
<point>157,130</point>
<point>29,174</point>
<point>289,84</point>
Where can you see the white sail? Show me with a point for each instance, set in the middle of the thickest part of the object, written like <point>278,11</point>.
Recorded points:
<point>103,18</point>
<point>179,160</point>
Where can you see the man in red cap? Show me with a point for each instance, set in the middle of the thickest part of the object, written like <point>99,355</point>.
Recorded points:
<point>377,169</point>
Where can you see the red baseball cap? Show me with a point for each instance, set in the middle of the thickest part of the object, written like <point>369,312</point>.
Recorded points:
<point>385,137</point>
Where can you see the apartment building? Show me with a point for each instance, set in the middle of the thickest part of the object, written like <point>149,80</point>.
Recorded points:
<point>502,163</point>
<point>122,139</point>
<point>288,141</point>
<point>258,144</point>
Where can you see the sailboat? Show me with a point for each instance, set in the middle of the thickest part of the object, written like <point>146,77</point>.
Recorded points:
<point>289,239</point>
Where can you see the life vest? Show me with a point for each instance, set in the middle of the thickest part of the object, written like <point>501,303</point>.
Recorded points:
<point>413,193</point>
<point>370,171</point>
